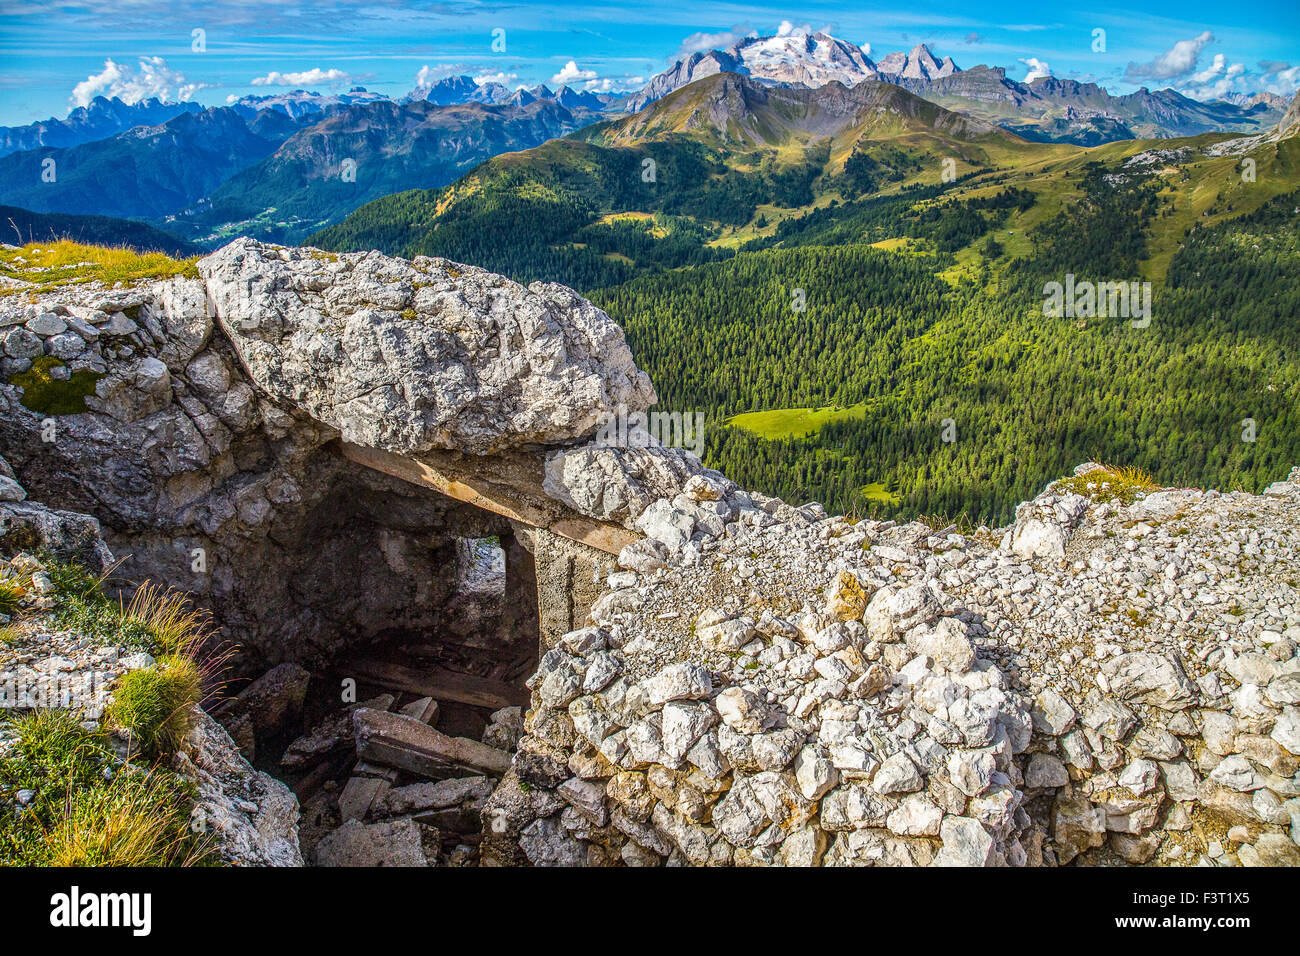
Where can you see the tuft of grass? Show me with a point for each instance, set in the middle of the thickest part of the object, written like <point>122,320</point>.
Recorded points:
<point>174,625</point>
<point>11,595</point>
<point>937,522</point>
<point>64,262</point>
<point>1111,483</point>
<point>88,807</point>
<point>47,395</point>
<point>154,706</point>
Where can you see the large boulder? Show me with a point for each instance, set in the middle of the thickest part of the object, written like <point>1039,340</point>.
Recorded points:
<point>409,356</point>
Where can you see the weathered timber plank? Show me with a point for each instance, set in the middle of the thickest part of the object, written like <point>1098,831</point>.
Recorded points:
<point>398,741</point>
<point>436,683</point>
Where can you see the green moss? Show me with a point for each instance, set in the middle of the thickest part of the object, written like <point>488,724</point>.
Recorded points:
<point>47,395</point>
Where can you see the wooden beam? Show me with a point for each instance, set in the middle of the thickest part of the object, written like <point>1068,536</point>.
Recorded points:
<point>403,742</point>
<point>510,486</point>
<point>436,683</point>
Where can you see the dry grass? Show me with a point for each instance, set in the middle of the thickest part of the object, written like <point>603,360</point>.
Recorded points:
<point>138,823</point>
<point>173,623</point>
<point>1111,483</point>
<point>65,261</point>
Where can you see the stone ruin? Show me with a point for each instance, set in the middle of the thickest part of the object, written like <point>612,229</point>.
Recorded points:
<point>382,472</point>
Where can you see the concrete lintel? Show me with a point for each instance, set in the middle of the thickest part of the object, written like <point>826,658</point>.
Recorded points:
<point>508,485</point>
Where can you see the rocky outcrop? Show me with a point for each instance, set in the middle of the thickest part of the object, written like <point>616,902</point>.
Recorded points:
<point>411,356</point>
<point>1104,681</point>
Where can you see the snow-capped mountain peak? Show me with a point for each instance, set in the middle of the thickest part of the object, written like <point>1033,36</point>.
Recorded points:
<point>797,58</point>
<point>812,59</point>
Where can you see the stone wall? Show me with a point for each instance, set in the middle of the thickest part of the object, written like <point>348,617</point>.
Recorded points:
<point>1103,682</point>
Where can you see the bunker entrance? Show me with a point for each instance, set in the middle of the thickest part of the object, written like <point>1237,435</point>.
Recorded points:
<point>393,742</point>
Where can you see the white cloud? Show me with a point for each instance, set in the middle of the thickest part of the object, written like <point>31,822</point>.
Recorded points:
<point>505,79</point>
<point>1216,80</point>
<point>1179,60</point>
<point>715,41</point>
<point>1280,78</point>
<point>430,75</point>
<point>1211,71</point>
<point>152,78</point>
<point>789,29</point>
<point>310,77</point>
<point>1037,68</point>
<point>1286,82</point>
<point>572,73</point>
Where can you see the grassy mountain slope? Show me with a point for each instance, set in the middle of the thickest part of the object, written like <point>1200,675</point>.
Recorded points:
<point>685,181</point>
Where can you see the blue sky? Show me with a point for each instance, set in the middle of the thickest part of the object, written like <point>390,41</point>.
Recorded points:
<point>54,55</point>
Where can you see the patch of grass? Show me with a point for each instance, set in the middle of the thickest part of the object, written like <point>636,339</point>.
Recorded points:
<point>86,807</point>
<point>153,706</point>
<point>1110,483</point>
<point>156,619</point>
<point>780,423</point>
<point>81,605</point>
<point>878,493</point>
<point>10,596</point>
<point>62,262</point>
<point>47,395</point>
<point>9,635</point>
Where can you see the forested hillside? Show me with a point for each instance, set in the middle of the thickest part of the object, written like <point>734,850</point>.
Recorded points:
<point>862,322</point>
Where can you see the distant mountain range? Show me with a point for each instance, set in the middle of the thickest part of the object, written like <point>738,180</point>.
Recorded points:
<point>145,172</point>
<point>272,166</point>
<point>301,185</point>
<point>1051,109</point>
<point>1048,109</point>
<point>99,120</point>
<point>299,103</point>
<point>464,89</point>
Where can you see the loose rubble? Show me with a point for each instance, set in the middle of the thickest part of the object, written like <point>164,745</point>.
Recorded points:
<point>1101,683</point>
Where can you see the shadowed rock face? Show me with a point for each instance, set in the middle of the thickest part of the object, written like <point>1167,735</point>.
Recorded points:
<point>412,356</point>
